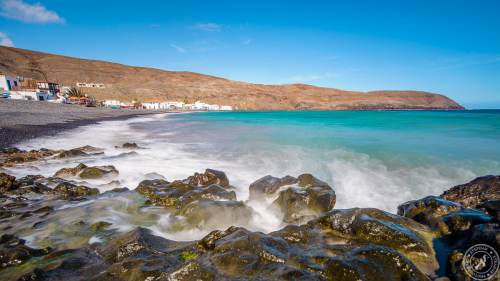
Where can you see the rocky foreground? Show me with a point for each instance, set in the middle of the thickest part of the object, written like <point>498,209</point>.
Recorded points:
<point>426,240</point>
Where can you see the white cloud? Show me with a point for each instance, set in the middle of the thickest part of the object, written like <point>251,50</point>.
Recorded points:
<point>209,26</point>
<point>5,40</point>
<point>29,13</point>
<point>311,77</point>
<point>178,48</point>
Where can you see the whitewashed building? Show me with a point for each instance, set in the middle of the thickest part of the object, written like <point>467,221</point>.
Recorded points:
<point>90,85</point>
<point>7,83</point>
<point>226,108</point>
<point>111,103</point>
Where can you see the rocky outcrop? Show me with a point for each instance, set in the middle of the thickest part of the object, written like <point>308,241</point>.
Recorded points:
<point>426,240</point>
<point>85,172</point>
<point>14,252</point>
<point>74,192</point>
<point>477,191</point>
<point>298,199</point>
<point>208,177</point>
<point>268,185</point>
<point>457,224</point>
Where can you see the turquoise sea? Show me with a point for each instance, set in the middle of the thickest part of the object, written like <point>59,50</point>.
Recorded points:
<point>371,158</point>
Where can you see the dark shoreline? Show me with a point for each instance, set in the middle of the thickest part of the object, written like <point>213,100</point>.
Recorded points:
<point>24,120</point>
<point>16,134</point>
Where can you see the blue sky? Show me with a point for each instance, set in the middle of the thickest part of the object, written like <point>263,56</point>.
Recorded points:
<point>450,47</point>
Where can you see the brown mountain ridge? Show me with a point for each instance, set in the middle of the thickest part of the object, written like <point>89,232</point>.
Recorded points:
<point>126,83</point>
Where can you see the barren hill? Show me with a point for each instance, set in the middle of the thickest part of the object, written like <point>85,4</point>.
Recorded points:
<point>147,84</point>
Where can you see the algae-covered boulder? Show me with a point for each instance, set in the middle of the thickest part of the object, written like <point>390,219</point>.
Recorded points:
<point>178,194</point>
<point>70,172</point>
<point>372,263</point>
<point>79,152</point>
<point>97,172</point>
<point>209,177</point>
<point>71,191</point>
<point>445,216</point>
<point>269,185</point>
<point>85,172</point>
<point>209,214</point>
<point>7,182</point>
<point>477,191</point>
<point>13,251</point>
<point>308,200</point>
<point>374,226</point>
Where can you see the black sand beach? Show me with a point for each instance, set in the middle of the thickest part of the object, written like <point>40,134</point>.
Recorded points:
<point>21,120</point>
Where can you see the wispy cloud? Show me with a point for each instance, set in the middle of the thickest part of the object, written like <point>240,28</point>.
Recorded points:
<point>29,13</point>
<point>5,40</point>
<point>178,48</point>
<point>209,27</point>
<point>305,78</point>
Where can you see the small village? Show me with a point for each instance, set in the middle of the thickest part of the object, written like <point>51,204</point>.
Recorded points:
<point>21,88</point>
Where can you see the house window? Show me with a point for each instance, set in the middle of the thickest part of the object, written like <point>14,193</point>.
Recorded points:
<point>15,83</point>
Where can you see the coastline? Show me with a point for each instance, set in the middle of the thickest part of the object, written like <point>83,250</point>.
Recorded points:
<point>23,120</point>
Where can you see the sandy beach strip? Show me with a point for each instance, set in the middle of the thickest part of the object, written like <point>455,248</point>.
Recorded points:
<point>21,120</point>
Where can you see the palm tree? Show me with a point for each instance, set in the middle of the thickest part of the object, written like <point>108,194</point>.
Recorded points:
<point>75,92</point>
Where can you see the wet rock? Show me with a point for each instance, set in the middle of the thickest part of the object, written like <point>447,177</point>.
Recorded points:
<point>85,172</point>
<point>32,183</point>
<point>488,233</point>
<point>13,251</point>
<point>29,180</point>
<point>210,214</point>
<point>178,194</point>
<point>72,153</point>
<point>79,151</point>
<point>11,157</point>
<point>477,191</point>
<point>491,208</point>
<point>213,192</point>
<point>445,216</point>
<point>130,145</point>
<point>379,227</point>
<point>99,226</point>
<point>209,177</point>
<point>70,172</point>
<point>311,198</point>
<point>7,182</point>
<point>97,172</point>
<point>71,191</point>
<point>372,263</point>
<point>269,185</point>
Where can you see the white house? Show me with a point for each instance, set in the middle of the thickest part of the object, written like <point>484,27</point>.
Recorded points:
<point>226,108</point>
<point>90,85</point>
<point>7,83</point>
<point>111,103</point>
<point>28,89</point>
<point>151,105</point>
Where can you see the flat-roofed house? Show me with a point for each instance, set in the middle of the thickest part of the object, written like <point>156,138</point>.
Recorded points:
<point>8,82</point>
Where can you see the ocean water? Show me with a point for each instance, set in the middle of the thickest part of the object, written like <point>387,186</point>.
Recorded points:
<point>371,158</point>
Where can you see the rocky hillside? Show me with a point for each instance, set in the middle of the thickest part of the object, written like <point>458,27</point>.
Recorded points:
<point>148,84</point>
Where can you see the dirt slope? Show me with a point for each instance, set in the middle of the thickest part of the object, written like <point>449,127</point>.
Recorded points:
<point>148,84</point>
